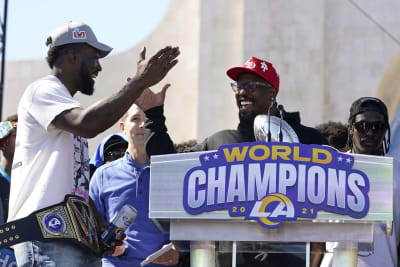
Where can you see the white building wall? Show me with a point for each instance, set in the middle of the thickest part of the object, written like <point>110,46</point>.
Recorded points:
<point>326,52</point>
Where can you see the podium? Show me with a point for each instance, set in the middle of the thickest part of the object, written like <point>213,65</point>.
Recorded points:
<point>204,229</point>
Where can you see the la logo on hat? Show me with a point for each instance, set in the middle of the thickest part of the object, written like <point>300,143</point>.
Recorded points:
<point>260,67</point>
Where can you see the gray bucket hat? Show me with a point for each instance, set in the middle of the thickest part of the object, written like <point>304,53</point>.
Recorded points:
<point>76,32</point>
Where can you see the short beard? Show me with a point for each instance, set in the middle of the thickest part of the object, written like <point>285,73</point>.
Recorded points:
<point>86,83</point>
<point>248,117</point>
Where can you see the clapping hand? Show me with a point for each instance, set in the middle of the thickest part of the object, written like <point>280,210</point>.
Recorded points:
<point>152,71</point>
<point>148,99</point>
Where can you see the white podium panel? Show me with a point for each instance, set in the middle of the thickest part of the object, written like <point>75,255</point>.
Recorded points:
<point>169,197</point>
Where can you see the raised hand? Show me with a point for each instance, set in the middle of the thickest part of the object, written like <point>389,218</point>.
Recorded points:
<point>150,72</point>
<point>148,99</point>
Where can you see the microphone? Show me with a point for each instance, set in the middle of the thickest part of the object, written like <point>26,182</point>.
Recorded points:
<point>280,134</point>
<point>119,224</point>
<point>273,105</point>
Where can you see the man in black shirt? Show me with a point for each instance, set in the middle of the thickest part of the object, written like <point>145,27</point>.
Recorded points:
<point>256,86</point>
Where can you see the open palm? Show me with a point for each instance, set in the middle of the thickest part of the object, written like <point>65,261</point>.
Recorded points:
<point>149,99</point>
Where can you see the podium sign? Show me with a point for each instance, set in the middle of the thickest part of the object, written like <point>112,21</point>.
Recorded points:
<point>283,192</point>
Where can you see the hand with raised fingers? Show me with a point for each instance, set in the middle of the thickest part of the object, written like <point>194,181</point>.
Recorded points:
<point>152,71</point>
<point>148,99</point>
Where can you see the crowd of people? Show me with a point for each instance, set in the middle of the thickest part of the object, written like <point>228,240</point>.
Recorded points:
<point>51,157</point>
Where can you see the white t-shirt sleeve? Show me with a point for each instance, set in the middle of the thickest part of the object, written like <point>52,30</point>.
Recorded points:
<point>48,101</point>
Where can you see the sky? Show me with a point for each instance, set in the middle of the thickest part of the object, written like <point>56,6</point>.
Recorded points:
<point>118,23</point>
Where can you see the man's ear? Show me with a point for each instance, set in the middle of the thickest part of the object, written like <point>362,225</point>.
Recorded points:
<point>274,92</point>
<point>73,56</point>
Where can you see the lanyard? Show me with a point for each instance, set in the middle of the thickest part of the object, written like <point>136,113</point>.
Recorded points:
<point>5,175</point>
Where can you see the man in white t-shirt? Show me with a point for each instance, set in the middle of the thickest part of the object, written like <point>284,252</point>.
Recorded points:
<point>51,157</point>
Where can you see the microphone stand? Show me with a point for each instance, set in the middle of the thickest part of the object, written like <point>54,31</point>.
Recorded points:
<point>280,134</point>
<point>273,105</point>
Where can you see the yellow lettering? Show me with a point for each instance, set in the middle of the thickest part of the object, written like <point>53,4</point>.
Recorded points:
<point>282,151</point>
<point>235,154</point>
<point>296,155</point>
<point>316,156</point>
<point>253,155</point>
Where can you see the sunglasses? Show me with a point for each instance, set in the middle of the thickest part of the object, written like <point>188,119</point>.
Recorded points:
<point>113,155</point>
<point>364,126</point>
<point>248,87</point>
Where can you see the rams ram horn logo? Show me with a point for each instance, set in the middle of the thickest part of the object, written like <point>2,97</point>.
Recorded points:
<point>273,209</point>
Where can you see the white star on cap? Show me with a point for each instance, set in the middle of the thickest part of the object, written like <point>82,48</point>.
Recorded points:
<point>340,158</point>
<point>215,156</point>
<point>206,157</point>
<point>348,160</point>
<point>264,66</point>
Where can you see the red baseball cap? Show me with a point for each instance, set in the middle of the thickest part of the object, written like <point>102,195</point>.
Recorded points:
<point>262,68</point>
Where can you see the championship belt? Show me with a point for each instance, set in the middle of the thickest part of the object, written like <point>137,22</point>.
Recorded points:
<point>71,220</point>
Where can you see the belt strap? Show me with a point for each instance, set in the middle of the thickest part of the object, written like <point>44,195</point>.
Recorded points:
<point>71,220</point>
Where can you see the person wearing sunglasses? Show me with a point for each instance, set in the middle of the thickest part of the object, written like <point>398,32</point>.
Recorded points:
<point>109,149</point>
<point>255,86</point>
<point>368,124</point>
<point>369,134</point>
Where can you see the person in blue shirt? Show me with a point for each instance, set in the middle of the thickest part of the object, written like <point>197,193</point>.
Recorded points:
<point>126,181</point>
